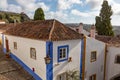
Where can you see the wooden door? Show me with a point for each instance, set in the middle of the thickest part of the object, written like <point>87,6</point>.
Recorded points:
<point>7,45</point>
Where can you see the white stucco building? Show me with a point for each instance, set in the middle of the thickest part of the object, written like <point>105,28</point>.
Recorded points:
<point>93,59</point>
<point>48,50</point>
<point>31,43</point>
<point>113,59</point>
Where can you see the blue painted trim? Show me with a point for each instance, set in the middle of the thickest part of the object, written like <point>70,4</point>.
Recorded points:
<point>4,50</point>
<point>59,47</point>
<point>36,77</point>
<point>49,67</point>
<point>81,57</point>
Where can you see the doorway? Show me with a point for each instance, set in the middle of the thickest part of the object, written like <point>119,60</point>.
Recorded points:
<point>7,45</point>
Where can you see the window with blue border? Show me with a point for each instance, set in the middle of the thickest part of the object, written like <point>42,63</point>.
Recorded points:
<point>63,53</point>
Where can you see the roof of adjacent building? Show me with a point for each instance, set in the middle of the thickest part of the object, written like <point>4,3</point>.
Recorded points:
<point>51,30</point>
<point>109,39</point>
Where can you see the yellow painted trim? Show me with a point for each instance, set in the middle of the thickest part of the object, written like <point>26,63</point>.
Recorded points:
<point>83,61</point>
<point>105,58</point>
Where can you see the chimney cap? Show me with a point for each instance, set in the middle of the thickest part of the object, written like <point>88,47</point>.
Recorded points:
<point>81,23</point>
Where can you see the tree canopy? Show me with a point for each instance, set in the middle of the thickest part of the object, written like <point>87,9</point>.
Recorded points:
<point>103,21</point>
<point>39,14</point>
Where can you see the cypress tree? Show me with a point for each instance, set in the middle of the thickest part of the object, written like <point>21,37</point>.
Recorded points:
<point>103,21</point>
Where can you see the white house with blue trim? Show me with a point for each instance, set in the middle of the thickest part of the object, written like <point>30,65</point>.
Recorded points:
<point>46,49</point>
<point>49,50</point>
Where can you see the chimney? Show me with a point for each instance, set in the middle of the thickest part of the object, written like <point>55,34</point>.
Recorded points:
<point>92,31</point>
<point>80,27</point>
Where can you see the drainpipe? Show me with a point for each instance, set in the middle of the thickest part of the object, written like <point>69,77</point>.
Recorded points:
<point>105,59</point>
<point>83,54</point>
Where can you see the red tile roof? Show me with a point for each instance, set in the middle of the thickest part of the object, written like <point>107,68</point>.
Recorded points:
<point>103,38</point>
<point>51,30</point>
<point>4,27</point>
<point>109,39</point>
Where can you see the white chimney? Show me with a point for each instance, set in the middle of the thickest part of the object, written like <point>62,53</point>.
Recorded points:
<point>80,27</point>
<point>92,31</point>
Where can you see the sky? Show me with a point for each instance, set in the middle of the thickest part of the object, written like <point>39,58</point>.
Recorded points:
<point>65,11</point>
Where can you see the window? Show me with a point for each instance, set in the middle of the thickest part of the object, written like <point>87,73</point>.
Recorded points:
<point>15,45</point>
<point>117,59</point>
<point>33,53</point>
<point>62,53</point>
<point>93,56</point>
<point>61,76</point>
<point>93,77</point>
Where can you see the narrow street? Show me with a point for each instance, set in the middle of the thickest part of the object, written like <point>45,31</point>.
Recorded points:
<point>10,70</point>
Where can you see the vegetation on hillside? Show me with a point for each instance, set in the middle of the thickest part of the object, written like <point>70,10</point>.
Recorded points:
<point>10,17</point>
<point>103,21</point>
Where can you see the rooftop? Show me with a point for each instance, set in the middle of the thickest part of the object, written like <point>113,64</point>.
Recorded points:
<point>50,30</point>
<point>109,39</point>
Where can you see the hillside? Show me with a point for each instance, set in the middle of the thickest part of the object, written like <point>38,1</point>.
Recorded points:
<point>11,17</point>
<point>116,29</point>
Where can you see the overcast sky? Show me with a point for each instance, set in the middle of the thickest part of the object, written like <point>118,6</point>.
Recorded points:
<point>66,11</point>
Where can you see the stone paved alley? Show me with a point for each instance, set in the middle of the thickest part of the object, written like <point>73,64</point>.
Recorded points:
<point>10,70</point>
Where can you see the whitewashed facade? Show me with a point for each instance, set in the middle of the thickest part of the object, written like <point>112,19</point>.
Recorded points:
<point>23,53</point>
<point>74,53</point>
<point>95,67</point>
<point>65,54</point>
<point>112,68</point>
<point>45,57</point>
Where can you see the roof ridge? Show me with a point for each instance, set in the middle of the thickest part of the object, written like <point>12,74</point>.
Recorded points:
<point>50,35</point>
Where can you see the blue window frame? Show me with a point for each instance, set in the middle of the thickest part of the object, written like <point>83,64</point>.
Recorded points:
<point>63,53</point>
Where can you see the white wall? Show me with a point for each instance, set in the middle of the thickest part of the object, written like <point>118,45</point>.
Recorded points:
<point>23,53</point>
<point>112,69</point>
<point>74,52</point>
<point>96,67</point>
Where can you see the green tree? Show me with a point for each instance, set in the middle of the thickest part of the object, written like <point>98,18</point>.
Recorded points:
<point>103,21</point>
<point>39,14</point>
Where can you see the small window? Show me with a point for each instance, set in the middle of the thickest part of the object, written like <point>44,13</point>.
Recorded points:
<point>15,45</point>
<point>93,77</point>
<point>93,56</point>
<point>62,53</point>
<point>117,59</point>
<point>61,76</point>
<point>33,53</point>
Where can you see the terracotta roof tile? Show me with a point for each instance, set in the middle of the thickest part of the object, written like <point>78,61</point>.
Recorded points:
<point>109,39</point>
<point>103,38</point>
<point>4,27</point>
<point>43,30</point>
